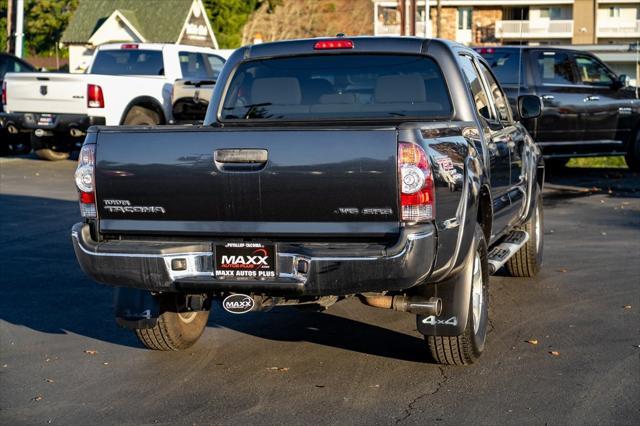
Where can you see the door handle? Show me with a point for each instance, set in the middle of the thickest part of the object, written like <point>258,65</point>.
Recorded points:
<point>591,98</point>
<point>548,97</point>
<point>241,156</point>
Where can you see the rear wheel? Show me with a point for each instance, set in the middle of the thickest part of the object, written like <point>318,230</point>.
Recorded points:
<point>526,262</point>
<point>176,328</point>
<point>467,347</point>
<point>633,155</point>
<point>142,117</point>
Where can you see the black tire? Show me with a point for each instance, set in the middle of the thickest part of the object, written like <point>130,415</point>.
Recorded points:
<point>527,261</point>
<point>174,330</point>
<point>142,117</point>
<point>633,155</point>
<point>466,348</point>
<point>46,149</point>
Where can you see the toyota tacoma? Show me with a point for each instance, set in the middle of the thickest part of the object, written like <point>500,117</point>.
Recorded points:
<point>388,169</point>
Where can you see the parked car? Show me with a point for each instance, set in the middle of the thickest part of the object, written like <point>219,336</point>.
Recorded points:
<point>13,141</point>
<point>385,168</point>
<point>190,97</point>
<point>127,83</point>
<point>588,109</point>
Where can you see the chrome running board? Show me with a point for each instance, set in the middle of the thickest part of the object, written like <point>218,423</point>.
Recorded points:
<point>499,255</point>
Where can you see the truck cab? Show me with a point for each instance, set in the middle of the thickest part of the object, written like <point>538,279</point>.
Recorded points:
<point>588,109</point>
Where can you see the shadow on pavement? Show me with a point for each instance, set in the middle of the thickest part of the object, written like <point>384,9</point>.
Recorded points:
<point>44,289</point>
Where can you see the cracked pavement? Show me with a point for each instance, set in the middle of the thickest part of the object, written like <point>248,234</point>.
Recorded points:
<point>352,364</point>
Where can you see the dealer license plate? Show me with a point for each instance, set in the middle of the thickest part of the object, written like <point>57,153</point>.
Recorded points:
<point>245,260</point>
<point>46,119</point>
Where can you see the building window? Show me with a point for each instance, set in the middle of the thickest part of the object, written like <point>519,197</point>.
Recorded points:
<point>614,12</point>
<point>465,18</point>
<point>388,15</point>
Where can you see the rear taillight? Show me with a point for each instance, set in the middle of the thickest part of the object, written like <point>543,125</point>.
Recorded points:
<point>94,96</point>
<point>85,181</point>
<point>333,44</point>
<point>417,202</point>
<point>4,93</point>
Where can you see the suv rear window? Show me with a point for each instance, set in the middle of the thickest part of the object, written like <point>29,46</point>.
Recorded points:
<point>337,87</point>
<point>128,62</point>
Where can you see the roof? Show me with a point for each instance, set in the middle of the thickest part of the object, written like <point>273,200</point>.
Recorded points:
<point>156,22</point>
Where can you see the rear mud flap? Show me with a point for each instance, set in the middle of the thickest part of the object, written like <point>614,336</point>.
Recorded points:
<point>455,294</point>
<point>135,309</point>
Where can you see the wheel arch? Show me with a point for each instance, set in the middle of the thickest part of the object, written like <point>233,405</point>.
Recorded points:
<point>146,102</point>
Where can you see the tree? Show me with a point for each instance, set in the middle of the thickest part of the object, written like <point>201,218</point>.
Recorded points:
<point>45,21</point>
<point>3,25</point>
<point>228,18</point>
<point>310,18</point>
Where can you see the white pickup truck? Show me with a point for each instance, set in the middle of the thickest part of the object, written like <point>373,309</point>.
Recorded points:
<point>126,83</point>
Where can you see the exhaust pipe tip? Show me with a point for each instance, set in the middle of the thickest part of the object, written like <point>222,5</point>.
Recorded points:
<point>12,129</point>
<point>76,133</point>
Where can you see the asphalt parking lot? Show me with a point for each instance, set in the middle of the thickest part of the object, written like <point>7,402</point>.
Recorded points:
<point>63,360</point>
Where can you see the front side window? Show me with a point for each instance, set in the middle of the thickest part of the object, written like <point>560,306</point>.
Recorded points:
<point>337,87</point>
<point>128,62</point>
<point>480,97</point>
<point>500,100</point>
<point>555,68</point>
<point>592,72</point>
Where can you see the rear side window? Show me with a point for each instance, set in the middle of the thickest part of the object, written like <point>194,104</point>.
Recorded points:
<point>198,65</point>
<point>480,97</point>
<point>592,72</point>
<point>505,64</point>
<point>337,87</point>
<point>128,62</point>
<point>555,68</point>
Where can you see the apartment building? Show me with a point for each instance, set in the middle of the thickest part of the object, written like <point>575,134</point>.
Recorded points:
<point>557,22</point>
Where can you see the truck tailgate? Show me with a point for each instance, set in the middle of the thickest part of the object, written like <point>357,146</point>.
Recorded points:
<point>47,92</point>
<point>249,182</point>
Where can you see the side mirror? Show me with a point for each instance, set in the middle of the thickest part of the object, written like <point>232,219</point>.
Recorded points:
<point>529,106</point>
<point>623,80</point>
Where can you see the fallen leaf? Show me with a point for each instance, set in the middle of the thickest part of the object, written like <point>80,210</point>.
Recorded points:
<point>47,360</point>
<point>603,233</point>
<point>554,353</point>
<point>532,341</point>
<point>91,352</point>
<point>105,363</point>
<point>319,386</point>
<point>4,365</point>
<point>627,306</point>
<point>374,386</point>
<point>48,380</point>
<point>278,368</point>
<point>563,270</point>
<point>37,398</point>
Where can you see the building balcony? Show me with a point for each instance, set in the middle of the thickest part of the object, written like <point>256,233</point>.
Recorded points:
<point>618,29</point>
<point>539,29</point>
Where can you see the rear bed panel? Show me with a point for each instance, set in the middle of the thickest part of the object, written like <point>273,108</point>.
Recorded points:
<point>315,182</point>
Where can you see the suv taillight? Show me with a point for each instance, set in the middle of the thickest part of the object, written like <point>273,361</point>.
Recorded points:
<point>94,96</point>
<point>417,202</point>
<point>4,93</point>
<point>85,181</point>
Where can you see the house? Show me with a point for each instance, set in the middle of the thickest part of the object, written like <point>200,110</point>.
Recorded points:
<point>97,22</point>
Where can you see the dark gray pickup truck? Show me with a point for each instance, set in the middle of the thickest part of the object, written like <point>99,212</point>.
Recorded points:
<point>388,169</point>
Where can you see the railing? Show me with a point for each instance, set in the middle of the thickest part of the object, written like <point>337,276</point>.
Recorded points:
<point>534,29</point>
<point>618,28</point>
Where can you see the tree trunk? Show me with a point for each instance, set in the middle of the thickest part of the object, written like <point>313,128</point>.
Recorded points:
<point>439,19</point>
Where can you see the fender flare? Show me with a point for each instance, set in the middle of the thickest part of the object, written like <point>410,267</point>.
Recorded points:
<point>144,101</point>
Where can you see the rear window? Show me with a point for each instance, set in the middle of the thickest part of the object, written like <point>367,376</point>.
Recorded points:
<point>128,62</point>
<point>198,65</point>
<point>504,64</point>
<point>337,87</point>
